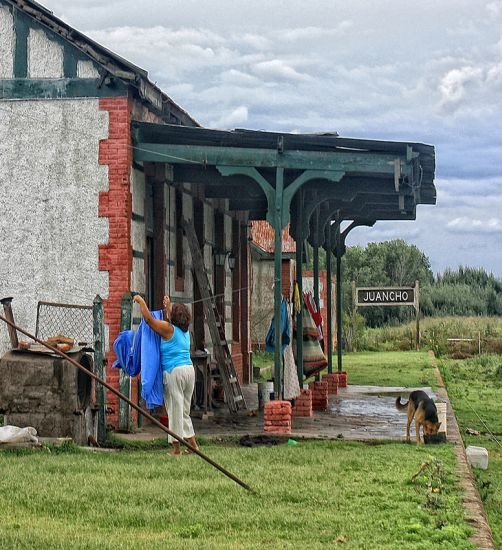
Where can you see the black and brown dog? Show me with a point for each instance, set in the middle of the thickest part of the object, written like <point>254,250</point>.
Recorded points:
<point>421,407</point>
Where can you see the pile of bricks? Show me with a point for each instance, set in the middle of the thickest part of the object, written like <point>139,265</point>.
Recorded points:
<point>342,379</point>
<point>332,380</point>
<point>277,417</point>
<point>303,404</point>
<point>319,395</point>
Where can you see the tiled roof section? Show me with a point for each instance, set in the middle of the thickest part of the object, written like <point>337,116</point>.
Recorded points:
<point>262,235</point>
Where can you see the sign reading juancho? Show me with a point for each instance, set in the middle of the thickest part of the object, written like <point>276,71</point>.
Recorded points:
<point>386,296</point>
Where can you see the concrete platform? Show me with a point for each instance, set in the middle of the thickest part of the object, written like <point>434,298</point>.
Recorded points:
<point>358,413</point>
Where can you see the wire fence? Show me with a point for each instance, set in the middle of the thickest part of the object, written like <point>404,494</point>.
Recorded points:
<point>71,320</point>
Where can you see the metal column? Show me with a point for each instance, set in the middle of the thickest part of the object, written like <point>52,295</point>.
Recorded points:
<point>279,186</point>
<point>329,297</point>
<point>299,282</point>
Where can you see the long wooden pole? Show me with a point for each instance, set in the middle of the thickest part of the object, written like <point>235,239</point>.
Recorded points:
<point>131,403</point>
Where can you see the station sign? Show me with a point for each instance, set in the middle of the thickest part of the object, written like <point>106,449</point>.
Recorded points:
<point>385,296</point>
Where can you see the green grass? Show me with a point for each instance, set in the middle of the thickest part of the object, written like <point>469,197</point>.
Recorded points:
<point>307,495</point>
<point>405,368</point>
<point>475,391</point>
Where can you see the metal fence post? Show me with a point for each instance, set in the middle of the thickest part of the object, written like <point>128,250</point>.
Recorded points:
<point>99,362</point>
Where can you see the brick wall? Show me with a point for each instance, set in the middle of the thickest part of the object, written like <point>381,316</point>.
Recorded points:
<point>116,204</point>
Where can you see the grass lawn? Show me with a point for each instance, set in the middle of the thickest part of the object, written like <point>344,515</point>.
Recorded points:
<point>395,368</point>
<point>309,495</point>
<point>475,391</point>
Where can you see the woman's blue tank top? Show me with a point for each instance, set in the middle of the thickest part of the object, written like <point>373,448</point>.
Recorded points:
<point>175,352</point>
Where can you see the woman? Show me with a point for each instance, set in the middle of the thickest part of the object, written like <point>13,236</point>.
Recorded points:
<point>178,372</point>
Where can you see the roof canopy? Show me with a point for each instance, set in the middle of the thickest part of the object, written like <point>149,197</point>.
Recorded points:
<point>308,179</point>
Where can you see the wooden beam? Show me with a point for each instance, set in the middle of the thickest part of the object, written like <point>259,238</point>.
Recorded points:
<point>349,162</point>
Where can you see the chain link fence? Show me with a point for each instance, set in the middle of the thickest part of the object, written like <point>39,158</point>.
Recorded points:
<point>71,320</point>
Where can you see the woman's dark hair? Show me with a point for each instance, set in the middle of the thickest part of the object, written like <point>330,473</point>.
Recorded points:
<point>180,316</point>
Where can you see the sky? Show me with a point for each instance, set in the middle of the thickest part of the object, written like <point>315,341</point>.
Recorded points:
<point>428,71</point>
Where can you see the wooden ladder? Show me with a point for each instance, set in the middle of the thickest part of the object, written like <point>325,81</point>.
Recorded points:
<point>233,392</point>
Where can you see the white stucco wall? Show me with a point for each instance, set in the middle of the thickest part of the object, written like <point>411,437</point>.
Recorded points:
<point>45,56</point>
<point>86,69</point>
<point>6,43</point>
<point>49,185</point>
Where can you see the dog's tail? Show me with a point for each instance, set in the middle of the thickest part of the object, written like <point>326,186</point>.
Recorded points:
<point>401,406</point>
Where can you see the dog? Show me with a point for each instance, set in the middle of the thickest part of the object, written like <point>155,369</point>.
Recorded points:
<point>421,407</point>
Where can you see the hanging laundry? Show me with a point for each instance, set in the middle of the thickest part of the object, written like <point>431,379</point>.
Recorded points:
<point>285,330</point>
<point>296,299</point>
<point>314,359</point>
<point>315,314</point>
<point>139,352</point>
<point>291,383</point>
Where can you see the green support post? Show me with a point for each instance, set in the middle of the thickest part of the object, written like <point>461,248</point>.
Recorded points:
<point>279,186</point>
<point>299,282</point>
<point>124,378</point>
<point>338,249</point>
<point>99,364</point>
<point>329,298</point>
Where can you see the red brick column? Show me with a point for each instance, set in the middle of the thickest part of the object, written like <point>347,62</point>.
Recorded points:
<point>342,379</point>
<point>277,417</point>
<point>319,395</point>
<point>303,404</point>
<point>116,204</point>
<point>332,380</point>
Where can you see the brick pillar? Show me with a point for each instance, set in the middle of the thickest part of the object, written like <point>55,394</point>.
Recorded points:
<point>319,395</point>
<point>303,404</point>
<point>342,379</point>
<point>277,417</point>
<point>116,204</point>
<point>332,380</point>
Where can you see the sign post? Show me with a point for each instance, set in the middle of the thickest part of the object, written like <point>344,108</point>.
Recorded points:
<point>391,296</point>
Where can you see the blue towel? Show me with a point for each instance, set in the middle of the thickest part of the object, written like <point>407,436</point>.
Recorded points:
<point>285,330</point>
<point>123,348</point>
<point>140,352</point>
<point>152,389</point>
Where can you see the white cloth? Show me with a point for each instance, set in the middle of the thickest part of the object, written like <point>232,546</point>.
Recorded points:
<point>291,384</point>
<point>13,434</point>
<point>178,389</point>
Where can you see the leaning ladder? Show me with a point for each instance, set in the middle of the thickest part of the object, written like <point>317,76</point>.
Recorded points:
<point>233,392</point>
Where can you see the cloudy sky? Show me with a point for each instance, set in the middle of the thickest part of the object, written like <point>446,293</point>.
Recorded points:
<point>428,71</point>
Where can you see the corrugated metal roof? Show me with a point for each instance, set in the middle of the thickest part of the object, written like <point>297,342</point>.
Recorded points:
<point>263,236</point>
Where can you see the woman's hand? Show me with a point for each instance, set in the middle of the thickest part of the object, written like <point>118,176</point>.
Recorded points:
<point>138,299</point>
<point>166,306</point>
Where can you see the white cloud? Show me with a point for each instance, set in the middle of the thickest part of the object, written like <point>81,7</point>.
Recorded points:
<point>468,225</point>
<point>232,119</point>
<point>494,8</point>
<point>239,78</point>
<point>454,84</point>
<point>277,68</point>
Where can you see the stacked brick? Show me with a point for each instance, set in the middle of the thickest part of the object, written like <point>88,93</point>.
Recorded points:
<point>115,257</point>
<point>319,395</point>
<point>332,380</point>
<point>303,404</point>
<point>342,379</point>
<point>277,417</point>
